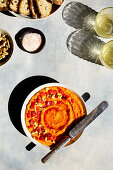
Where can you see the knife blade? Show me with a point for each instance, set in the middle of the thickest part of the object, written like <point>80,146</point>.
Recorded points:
<point>78,129</point>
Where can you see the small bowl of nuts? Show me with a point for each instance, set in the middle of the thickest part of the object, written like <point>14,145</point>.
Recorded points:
<point>6,46</point>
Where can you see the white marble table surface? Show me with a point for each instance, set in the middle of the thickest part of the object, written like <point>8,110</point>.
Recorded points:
<point>94,149</point>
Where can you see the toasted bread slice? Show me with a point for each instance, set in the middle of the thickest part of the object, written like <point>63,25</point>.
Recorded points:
<point>24,7</point>
<point>45,7</point>
<point>4,5</point>
<point>13,5</point>
<point>33,10</point>
<point>57,2</point>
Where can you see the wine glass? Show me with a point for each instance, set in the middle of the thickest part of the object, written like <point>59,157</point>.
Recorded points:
<point>104,23</point>
<point>106,55</point>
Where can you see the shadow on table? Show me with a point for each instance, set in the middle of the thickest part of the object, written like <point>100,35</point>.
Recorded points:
<point>83,42</point>
<point>7,13</point>
<point>19,94</point>
<point>85,45</point>
<point>80,16</point>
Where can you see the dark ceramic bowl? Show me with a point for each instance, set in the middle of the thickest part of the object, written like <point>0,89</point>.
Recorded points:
<point>4,60</point>
<point>19,37</point>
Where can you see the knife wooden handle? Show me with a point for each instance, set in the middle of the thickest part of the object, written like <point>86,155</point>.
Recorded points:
<point>56,149</point>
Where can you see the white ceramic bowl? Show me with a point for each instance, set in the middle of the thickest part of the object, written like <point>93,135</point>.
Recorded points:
<point>26,102</point>
<point>33,19</point>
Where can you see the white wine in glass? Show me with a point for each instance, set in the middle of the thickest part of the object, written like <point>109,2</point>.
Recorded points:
<point>106,55</point>
<point>104,23</point>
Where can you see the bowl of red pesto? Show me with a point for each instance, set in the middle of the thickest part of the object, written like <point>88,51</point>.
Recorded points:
<point>49,112</point>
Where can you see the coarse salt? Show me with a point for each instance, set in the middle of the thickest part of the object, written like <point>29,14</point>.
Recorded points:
<point>32,42</point>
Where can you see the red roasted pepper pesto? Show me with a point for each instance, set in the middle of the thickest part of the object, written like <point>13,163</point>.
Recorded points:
<point>51,111</point>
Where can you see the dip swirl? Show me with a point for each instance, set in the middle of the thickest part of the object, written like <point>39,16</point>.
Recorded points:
<point>51,111</point>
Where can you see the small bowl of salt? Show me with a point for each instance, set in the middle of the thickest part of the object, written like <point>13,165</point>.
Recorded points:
<point>30,40</point>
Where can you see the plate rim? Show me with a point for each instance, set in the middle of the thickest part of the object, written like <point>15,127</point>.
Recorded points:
<point>31,94</point>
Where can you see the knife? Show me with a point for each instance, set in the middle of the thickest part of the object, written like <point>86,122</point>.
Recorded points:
<point>78,129</point>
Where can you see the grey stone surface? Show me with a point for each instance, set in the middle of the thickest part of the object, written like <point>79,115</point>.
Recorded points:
<point>94,149</point>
